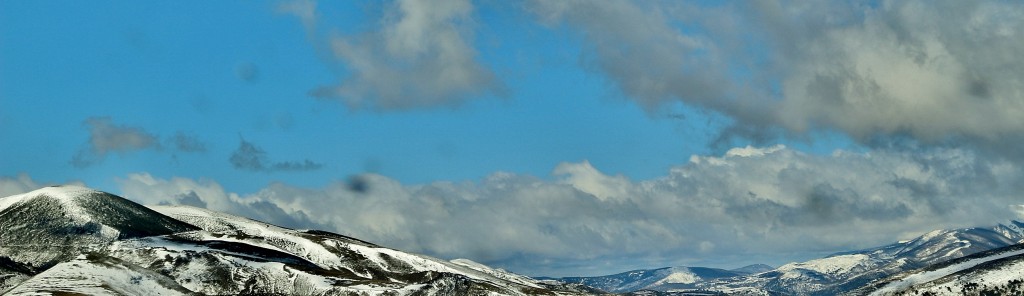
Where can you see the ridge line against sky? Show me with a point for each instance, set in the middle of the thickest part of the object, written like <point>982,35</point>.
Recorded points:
<point>888,113</point>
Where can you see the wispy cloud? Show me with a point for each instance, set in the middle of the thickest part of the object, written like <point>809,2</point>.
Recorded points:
<point>305,10</point>
<point>249,157</point>
<point>247,72</point>
<point>186,143</point>
<point>421,56</point>
<point>106,137</point>
<point>750,201</point>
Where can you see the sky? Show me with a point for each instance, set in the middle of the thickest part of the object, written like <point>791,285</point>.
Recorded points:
<point>549,138</point>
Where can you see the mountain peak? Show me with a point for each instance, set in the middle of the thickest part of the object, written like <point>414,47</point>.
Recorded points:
<point>61,190</point>
<point>62,193</point>
<point>79,240</point>
<point>50,223</point>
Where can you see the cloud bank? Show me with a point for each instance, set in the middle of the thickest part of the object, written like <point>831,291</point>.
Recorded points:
<point>749,202</point>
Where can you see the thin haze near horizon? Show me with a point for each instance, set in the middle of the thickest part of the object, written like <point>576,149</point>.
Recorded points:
<point>549,138</point>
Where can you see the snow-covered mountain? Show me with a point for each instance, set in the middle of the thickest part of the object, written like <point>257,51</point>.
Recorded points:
<point>661,279</point>
<point>994,272</point>
<point>74,240</point>
<point>831,275</point>
<point>67,240</point>
<point>845,271</point>
<point>54,224</point>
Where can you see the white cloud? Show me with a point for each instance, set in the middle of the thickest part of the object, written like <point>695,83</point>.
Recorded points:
<point>911,66</point>
<point>777,201</point>
<point>420,56</point>
<point>752,151</point>
<point>305,10</point>
<point>870,70</point>
<point>587,178</point>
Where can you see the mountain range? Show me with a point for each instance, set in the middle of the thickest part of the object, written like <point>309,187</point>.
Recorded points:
<point>662,279</point>
<point>854,273</point>
<point>69,240</point>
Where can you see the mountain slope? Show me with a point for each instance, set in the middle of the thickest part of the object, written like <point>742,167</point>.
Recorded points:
<point>124,248</point>
<point>97,275</point>
<point>986,272</point>
<point>357,260</point>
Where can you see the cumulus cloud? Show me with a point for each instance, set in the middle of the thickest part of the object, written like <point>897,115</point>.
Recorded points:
<point>748,202</point>
<point>249,157</point>
<point>867,69</point>
<point>145,189</point>
<point>420,56</point>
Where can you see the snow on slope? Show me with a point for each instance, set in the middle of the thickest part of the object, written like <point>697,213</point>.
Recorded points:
<point>332,251</point>
<point>82,205</point>
<point>679,277</point>
<point>661,279</point>
<point>220,226</point>
<point>62,240</point>
<point>850,270</point>
<point>53,224</point>
<point>223,267</point>
<point>98,276</point>
<point>498,273</point>
<point>928,276</point>
<point>833,266</point>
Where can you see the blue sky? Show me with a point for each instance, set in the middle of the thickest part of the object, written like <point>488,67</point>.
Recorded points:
<point>287,102</point>
<point>169,68</point>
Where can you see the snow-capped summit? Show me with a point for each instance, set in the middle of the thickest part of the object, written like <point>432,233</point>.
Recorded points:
<point>50,224</point>
<point>83,206</point>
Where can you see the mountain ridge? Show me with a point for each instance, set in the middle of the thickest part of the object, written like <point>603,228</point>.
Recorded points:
<point>52,224</point>
<point>77,240</point>
<point>829,275</point>
<point>127,248</point>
